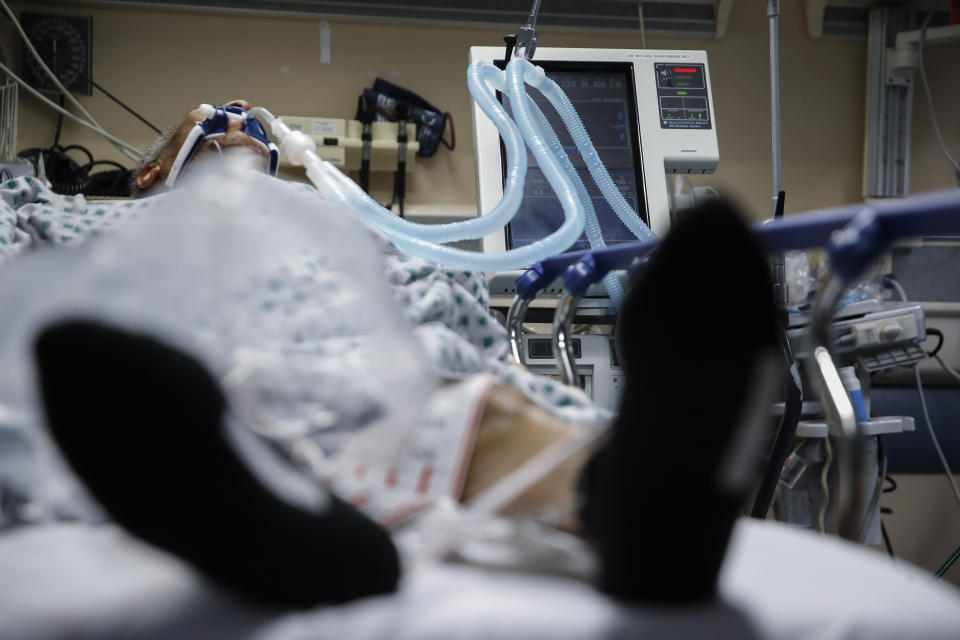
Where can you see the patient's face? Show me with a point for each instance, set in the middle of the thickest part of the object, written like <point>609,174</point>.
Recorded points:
<point>233,140</point>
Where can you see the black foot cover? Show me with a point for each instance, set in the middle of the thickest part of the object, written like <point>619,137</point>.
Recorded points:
<point>691,335</point>
<point>141,423</point>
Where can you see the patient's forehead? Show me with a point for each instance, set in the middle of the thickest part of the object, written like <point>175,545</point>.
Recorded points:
<point>183,129</point>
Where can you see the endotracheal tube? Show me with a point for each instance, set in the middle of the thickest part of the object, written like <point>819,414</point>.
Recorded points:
<point>530,130</point>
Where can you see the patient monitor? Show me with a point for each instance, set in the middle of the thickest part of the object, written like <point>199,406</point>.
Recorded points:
<point>649,113</point>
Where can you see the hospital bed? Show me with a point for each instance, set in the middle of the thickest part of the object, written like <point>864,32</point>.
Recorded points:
<point>93,582</point>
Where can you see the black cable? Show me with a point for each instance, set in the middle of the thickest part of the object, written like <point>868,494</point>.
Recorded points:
<point>793,394</point>
<point>83,74</point>
<point>56,136</point>
<point>949,563</point>
<point>76,146</point>
<point>453,134</point>
<point>785,434</point>
<point>404,113</point>
<point>109,184</point>
<point>939,334</point>
<point>86,168</point>
<point>126,108</point>
<point>67,177</point>
<point>893,484</point>
<point>365,115</point>
<point>886,540</point>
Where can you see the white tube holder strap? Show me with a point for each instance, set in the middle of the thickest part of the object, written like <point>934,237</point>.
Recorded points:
<point>214,126</point>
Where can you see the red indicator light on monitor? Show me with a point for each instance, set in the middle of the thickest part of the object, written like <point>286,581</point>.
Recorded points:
<point>684,70</point>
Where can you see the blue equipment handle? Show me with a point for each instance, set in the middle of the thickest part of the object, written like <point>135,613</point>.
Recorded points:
<point>880,224</point>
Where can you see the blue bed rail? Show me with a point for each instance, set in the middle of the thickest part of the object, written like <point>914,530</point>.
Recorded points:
<point>869,230</point>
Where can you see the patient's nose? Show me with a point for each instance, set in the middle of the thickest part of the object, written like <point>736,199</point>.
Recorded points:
<point>234,125</point>
<point>243,104</point>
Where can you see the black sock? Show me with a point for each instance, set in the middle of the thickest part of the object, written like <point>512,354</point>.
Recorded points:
<point>142,424</point>
<point>692,335</point>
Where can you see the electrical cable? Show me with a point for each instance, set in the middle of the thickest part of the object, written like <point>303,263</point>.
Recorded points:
<point>824,474</point>
<point>76,146</point>
<point>923,404</point>
<point>56,136</point>
<point>98,87</point>
<point>453,134</point>
<point>877,490</point>
<point>899,287</point>
<point>67,177</point>
<point>643,26</point>
<point>936,332</point>
<point>127,149</point>
<point>933,436</point>
<point>926,88</point>
<point>947,367</point>
<point>91,165</point>
<point>91,121</point>
<point>893,484</point>
<point>786,430</point>
<point>886,539</point>
<point>946,565</point>
<point>125,107</point>
<point>887,511</point>
<point>882,455</point>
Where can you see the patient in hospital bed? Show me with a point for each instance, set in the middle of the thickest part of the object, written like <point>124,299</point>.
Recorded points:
<point>157,456</point>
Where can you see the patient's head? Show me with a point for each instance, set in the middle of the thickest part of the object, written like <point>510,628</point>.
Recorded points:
<point>156,162</point>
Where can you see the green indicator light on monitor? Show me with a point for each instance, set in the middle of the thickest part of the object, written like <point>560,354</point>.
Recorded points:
<point>681,93</point>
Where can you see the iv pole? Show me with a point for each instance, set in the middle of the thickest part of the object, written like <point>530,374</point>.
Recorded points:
<point>773,13</point>
<point>793,390</point>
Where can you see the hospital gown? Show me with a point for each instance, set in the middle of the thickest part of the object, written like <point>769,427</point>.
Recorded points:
<point>447,309</point>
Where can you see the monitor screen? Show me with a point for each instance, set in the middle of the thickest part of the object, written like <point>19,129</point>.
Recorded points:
<point>603,95</point>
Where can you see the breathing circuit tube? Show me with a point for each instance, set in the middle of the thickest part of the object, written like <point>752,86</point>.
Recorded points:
<point>552,91</point>
<point>478,74</point>
<point>300,149</point>
<point>422,239</point>
<point>591,224</point>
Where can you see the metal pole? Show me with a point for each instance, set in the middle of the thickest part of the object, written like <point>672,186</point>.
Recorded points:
<point>515,315</point>
<point>534,12</point>
<point>839,411</point>
<point>773,13</point>
<point>562,342</point>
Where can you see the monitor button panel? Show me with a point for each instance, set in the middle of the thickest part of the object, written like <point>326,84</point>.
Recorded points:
<point>682,94</point>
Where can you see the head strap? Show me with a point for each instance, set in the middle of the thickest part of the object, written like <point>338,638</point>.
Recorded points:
<point>215,122</point>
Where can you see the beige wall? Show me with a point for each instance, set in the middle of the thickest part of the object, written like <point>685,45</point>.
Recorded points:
<point>925,525</point>
<point>164,62</point>
<point>929,168</point>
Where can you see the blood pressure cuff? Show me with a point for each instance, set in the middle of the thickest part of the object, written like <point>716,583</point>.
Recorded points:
<point>430,121</point>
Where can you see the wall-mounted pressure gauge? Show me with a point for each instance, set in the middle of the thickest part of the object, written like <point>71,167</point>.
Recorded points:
<point>66,45</point>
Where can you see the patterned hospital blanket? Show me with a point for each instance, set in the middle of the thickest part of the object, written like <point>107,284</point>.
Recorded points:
<point>446,309</point>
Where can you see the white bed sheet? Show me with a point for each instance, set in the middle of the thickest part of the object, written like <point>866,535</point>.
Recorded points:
<point>80,581</point>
